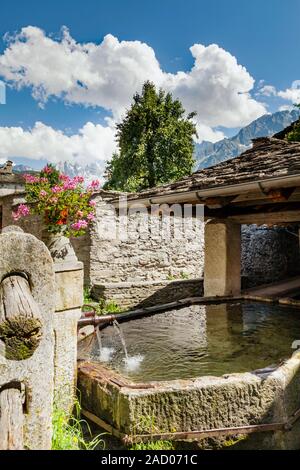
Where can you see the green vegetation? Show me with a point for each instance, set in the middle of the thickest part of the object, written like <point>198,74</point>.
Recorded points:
<point>153,445</point>
<point>182,275</point>
<point>155,143</point>
<point>87,299</point>
<point>72,433</point>
<point>146,424</point>
<point>109,306</point>
<point>294,135</point>
<point>101,307</point>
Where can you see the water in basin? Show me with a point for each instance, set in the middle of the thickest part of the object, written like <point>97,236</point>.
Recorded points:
<point>201,340</point>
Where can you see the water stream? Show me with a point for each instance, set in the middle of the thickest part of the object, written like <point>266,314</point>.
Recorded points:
<point>104,353</point>
<point>121,336</point>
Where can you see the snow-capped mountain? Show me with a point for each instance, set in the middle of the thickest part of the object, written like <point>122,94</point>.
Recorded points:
<point>209,154</point>
<point>90,172</point>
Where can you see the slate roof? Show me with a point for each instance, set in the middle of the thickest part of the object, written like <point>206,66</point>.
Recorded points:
<point>269,157</point>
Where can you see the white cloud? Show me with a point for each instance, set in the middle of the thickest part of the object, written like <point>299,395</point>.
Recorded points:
<point>286,107</point>
<point>208,134</point>
<point>217,87</point>
<point>268,90</point>
<point>93,143</point>
<point>108,74</point>
<point>292,93</point>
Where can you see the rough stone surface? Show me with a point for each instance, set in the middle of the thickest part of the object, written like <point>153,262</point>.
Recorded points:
<point>65,364</point>
<point>68,303</point>
<point>153,251</point>
<point>263,397</point>
<point>148,293</point>
<point>269,254</point>
<point>21,252</point>
<point>69,288</point>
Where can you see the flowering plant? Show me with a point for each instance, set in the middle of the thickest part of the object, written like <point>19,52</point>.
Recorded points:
<point>63,202</point>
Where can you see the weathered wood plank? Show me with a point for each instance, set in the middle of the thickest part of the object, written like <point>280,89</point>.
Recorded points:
<point>11,420</point>
<point>20,326</point>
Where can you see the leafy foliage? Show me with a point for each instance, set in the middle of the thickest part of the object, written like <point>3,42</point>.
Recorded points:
<point>294,135</point>
<point>155,143</point>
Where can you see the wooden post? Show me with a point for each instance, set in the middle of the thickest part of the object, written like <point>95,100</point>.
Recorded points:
<point>20,326</point>
<point>11,419</point>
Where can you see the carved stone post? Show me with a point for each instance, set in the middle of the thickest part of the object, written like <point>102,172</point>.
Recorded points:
<point>69,300</point>
<point>27,304</point>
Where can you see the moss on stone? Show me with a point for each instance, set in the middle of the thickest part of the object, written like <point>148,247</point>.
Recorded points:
<point>21,337</point>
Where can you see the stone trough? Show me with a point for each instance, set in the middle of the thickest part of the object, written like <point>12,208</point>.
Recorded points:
<point>251,410</point>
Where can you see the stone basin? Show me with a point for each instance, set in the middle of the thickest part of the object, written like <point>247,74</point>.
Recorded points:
<point>267,396</point>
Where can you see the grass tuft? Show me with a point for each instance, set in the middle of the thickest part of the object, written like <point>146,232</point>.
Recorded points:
<point>71,432</point>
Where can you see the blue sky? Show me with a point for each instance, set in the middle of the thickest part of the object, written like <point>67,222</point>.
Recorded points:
<point>262,36</point>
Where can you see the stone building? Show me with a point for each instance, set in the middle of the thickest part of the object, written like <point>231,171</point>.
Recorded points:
<point>133,261</point>
<point>261,187</point>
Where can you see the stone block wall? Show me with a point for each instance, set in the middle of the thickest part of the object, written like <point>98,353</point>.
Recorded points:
<point>269,254</point>
<point>148,293</point>
<point>145,258</point>
<point>147,252</point>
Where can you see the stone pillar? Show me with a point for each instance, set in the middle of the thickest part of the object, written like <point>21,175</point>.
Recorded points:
<point>26,341</point>
<point>69,301</point>
<point>222,271</point>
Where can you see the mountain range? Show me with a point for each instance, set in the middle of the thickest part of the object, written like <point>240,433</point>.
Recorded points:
<point>209,154</point>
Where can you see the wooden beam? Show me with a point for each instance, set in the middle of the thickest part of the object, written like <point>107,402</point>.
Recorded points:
<point>279,194</point>
<point>217,202</point>
<point>268,218</point>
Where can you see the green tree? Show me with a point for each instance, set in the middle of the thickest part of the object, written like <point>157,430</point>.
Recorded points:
<point>294,135</point>
<point>155,142</point>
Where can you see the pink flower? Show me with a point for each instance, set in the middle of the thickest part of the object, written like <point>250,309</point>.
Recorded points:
<point>15,215</point>
<point>81,224</point>
<point>95,184</point>
<point>91,216</point>
<point>79,214</point>
<point>70,184</point>
<point>56,189</point>
<point>44,180</point>
<point>63,177</point>
<point>92,203</point>
<point>22,211</point>
<point>43,193</point>
<point>31,179</point>
<point>47,169</point>
<point>78,179</point>
<point>54,200</point>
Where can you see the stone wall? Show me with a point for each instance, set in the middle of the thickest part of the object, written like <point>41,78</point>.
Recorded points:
<point>269,254</point>
<point>146,252</point>
<point>146,256</point>
<point>148,293</point>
